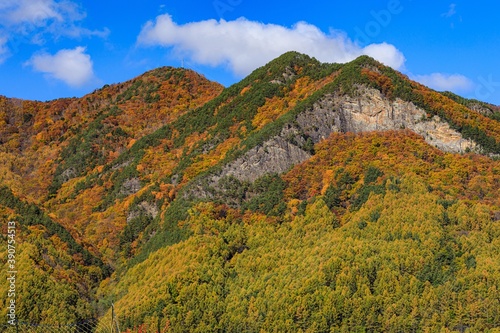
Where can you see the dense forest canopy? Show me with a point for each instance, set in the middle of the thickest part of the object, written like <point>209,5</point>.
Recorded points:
<point>262,207</point>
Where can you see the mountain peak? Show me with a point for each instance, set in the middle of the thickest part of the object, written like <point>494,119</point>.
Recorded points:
<point>170,168</point>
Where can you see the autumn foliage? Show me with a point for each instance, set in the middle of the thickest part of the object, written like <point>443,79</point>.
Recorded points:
<point>121,197</point>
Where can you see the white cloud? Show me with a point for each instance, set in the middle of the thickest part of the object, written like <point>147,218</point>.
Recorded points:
<point>73,67</point>
<point>244,45</point>
<point>29,14</point>
<point>387,54</point>
<point>451,11</point>
<point>441,82</point>
<point>78,32</point>
<point>35,21</point>
<point>4,51</point>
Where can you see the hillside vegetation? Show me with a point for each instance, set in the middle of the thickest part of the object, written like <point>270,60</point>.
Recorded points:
<point>364,243</point>
<point>268,206</point>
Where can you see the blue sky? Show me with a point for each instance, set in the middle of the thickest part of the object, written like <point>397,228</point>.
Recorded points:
<point>64,48</point>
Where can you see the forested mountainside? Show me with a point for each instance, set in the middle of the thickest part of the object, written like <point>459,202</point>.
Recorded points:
<point>43,146</point>
<point>307,197</point>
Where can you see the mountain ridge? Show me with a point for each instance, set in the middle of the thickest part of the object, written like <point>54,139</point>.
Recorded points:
<point>215,161</point>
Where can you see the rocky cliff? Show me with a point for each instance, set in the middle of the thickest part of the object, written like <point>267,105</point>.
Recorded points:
<point>368,110</point>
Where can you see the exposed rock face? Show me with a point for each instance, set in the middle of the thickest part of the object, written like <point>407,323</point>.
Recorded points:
<point>496,216</point>
<point>274,156</point>
<point>68,174</point>
<point>288,75</point>
<point>481,109</point>
<point>144,208</point>
<point>371,111</point>
<point>130,186</point>
<point>368,111</point>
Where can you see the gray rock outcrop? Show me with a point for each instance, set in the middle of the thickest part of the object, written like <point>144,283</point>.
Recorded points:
<point>369,110</point>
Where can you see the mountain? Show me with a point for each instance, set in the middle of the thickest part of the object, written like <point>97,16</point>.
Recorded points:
<point>306,197</point>
<point>44,148</point>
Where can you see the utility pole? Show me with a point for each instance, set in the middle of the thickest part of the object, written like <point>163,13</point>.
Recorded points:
<point>112,317</point>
